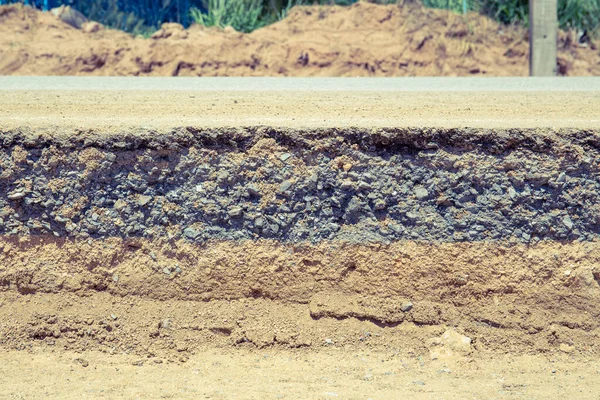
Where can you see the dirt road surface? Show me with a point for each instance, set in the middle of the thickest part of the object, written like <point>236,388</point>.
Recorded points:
<point>311,239</point>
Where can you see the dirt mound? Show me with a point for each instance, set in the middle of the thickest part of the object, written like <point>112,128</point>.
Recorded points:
<point>361,40</point>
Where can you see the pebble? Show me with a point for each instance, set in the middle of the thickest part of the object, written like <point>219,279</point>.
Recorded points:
<point>81,361</point>
<point>143,200</point>
<point>235,211</point>
<point>16,196</point>
<point>285,156</point>
<point>284,186</point>
<point>191,233</point>
<point>406,306</point>
<point>421,193</point>
<point>567,222</point>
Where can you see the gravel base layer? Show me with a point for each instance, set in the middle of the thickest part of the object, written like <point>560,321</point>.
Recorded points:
<point>354,185</point>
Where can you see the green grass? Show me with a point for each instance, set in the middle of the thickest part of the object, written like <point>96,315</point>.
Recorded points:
<point>572,14</point>
<point>242,15</point>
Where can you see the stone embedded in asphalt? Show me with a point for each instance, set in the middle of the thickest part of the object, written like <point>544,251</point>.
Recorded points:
<point>567,222</point>
<point>143,200</point>
<point>191,233</point>
<point>421,193</point>
<point>16,195</point>
<point>284,187</point>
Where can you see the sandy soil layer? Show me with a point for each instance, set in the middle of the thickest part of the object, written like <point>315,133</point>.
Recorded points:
<point>362,40</point>
<point>66,114</point>
<point>324,374</point>
<point>102,294</point>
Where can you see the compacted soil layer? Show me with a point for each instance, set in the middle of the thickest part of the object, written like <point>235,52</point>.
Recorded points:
<point>361,40</point>
<point>328,373</point>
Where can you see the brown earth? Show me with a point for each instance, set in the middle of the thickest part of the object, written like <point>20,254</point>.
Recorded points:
<point>362,40</point>
<point>515,298</point>
<point>296,374</point>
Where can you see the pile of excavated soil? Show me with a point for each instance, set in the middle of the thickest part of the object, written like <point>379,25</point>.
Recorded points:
<point>361,40</point>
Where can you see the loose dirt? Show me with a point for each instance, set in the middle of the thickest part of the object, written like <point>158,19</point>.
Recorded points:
<point>361,40</point>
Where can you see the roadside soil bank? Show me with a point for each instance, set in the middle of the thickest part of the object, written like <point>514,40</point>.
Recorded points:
<point>148,251</point>
<point>362,40</point>
<point>297,232</point>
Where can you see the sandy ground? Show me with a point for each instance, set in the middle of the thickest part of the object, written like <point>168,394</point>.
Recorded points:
<point>485,103</point>
<point>361,40</point>
<point>289,374</point>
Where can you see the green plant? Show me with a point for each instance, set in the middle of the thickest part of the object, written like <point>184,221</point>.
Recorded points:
<point>579,14</point>
<point>242,15</point>
<point>108,13</point>
<point>572,14</point>
<point>453,5</point>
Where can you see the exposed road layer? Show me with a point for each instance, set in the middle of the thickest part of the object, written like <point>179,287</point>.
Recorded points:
<point>152,218</point>
<point>160,103</point>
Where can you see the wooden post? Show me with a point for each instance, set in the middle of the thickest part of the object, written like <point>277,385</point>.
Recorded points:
<point>543,36</point>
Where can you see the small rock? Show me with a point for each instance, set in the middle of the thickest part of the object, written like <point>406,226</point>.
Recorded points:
<point>406,306</point>
<point>91,27</point>
<point>164,324</point>
<point>421,193</point>
<point>449,343</point>
<point>364,186</point>
<point>566,348</point>
<point>284,187</point>
<point>567,222</point>
<point>138,363</point>
<point>253,190</point>
<point>347,184</point>
<point>120,205</point>
<point>285,156</point>
<point>16,195</point>
<point>420,383</point>
<point>235,211</point>
<point>380,204</point>
<point>328,341</point>
<point>143,200</point>
<point>191,233</point>
<point>81,361</point>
